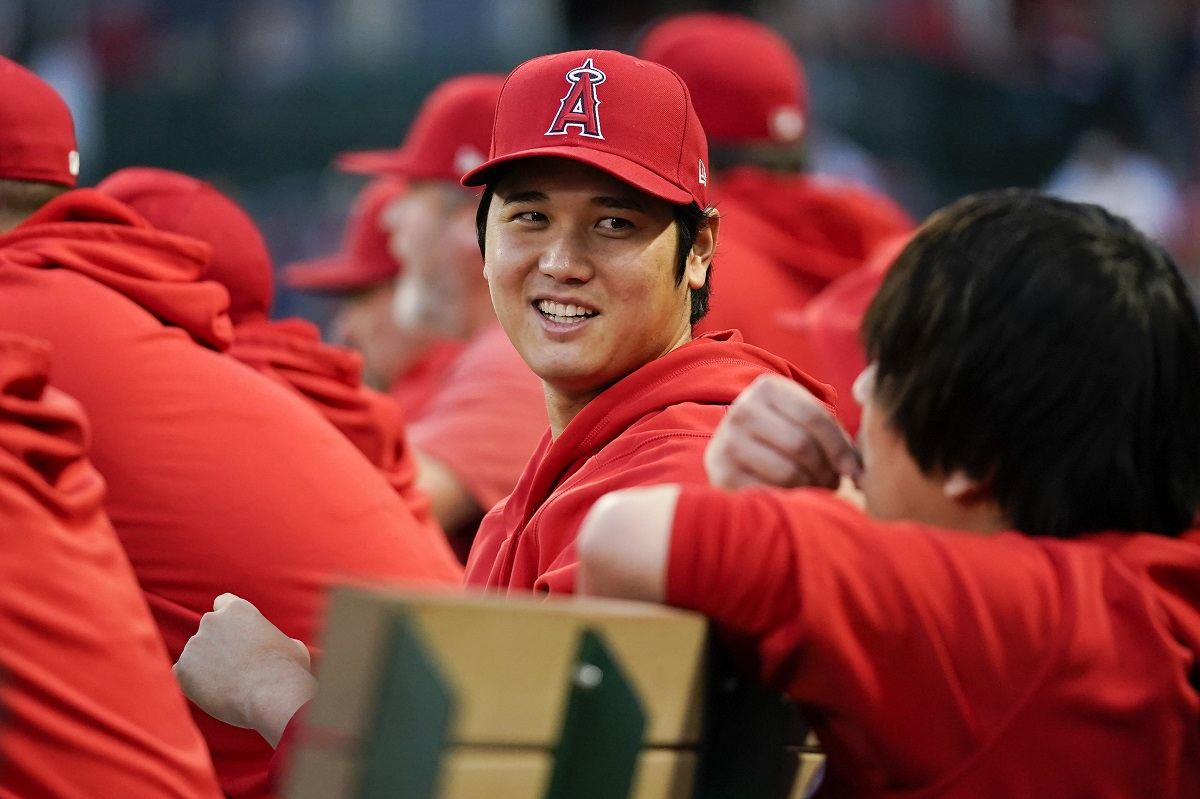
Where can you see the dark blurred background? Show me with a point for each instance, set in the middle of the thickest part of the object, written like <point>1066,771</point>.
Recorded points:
<point>925,99</point>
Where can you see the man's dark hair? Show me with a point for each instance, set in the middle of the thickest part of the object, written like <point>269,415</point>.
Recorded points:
<point>689,221</point>
<point>1051,351</point>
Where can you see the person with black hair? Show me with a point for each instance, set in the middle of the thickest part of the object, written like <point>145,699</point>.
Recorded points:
<point>1018,611</point>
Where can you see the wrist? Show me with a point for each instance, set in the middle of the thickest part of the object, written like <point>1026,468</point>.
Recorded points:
<point>283,690</point>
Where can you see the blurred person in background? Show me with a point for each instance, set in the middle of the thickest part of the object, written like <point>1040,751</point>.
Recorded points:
<point>288,351</point>
<point>786,234</point>
<point>405,362</point>
<point>89,704</point>
<point>475,433</point>
<point>218,478</point>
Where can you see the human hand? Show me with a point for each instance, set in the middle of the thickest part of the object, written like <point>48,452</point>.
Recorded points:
<point>241,669</point>
<point>776,433</point>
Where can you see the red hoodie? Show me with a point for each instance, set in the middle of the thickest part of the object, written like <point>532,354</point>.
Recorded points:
<point>219,480</point>
<point>649,428</point>
<point>291,353</point>
<point>937,663</point>
<point>827,329</point>
<point>783,238</point>
<point>90,707</point>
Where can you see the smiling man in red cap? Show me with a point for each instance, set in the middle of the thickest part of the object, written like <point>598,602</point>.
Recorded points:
<point>477,430</point>
<point>89,704</point>
<point>218,478</point>
<point>786,233</point>
<point>289,351</point>
<point>598,240</point>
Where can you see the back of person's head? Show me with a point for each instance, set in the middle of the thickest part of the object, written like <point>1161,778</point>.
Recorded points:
<point>1050,351</point>
<point>177,203</point>
<point>747,85</point>
<point>38,155</point>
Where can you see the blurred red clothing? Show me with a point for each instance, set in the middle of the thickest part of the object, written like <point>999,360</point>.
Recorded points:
<point>219,479</point>
<point>827,329</point>
<point>650,427</point>
<point>783,238</point>
<point>486,418</point>
<point>420,381</point>
<point>943,663</point>
<point>90,707</point>
<point>290,352</point>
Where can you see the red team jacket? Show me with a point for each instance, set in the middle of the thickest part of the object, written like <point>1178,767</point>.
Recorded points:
<point>291,353</point>
<point>651,427</point>
<point>219,480</point>
<point>88,705</point>
<point>784,237</point>
<point>948,664</point>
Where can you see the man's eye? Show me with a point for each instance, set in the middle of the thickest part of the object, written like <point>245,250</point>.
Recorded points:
<point>530,216</point>
<point>615,223</point>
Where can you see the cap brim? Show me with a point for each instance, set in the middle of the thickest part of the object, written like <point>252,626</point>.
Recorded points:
<point>389,163</point>
<point>330,273</point>
<point>618,166</point>
<point>369,162</point>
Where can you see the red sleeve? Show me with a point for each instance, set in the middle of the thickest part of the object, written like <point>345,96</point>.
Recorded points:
<point>90,705</point>
<point>486,420</point>
<point>277,768</point>
<point>872,624</point>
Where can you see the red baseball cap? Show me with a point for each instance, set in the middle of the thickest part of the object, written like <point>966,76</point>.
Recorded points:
<point>37,134</point>
<point>746,82</point>
<point>177,203</point>
<point>449,136</point>
<point>630,118</point>
<point>364,258</point>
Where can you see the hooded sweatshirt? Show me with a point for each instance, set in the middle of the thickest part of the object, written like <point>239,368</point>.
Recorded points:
<point>649,428</point>
<point>90,707</point>
<point>219,479</point>
<point>291,353</point>
<point>938,663</point>
<point>784,237</point>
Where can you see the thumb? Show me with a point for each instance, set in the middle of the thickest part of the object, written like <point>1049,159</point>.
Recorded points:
<point>225,600</point>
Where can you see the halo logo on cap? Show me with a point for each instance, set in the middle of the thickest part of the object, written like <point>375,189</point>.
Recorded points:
<point>580,107</point>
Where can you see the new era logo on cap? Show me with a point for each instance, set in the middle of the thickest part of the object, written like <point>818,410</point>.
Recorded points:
<point>630,118</point>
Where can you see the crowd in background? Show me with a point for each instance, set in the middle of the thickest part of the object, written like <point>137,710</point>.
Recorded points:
<point>926,99</point>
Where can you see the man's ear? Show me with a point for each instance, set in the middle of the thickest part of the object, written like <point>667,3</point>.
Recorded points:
<point>963,489</point>
<point>700,258</point>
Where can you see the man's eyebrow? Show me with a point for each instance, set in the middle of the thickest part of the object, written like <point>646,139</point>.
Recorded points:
<point>628,203</point>
<point>524,197</point>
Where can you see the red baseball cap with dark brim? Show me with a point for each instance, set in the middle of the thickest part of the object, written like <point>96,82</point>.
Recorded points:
<point>630,118</point>
<point>450,135</point>
<point>364,259</point>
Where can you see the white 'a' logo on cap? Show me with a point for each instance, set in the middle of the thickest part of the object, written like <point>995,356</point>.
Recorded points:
<point>579,107</point>
<point>703,175</point>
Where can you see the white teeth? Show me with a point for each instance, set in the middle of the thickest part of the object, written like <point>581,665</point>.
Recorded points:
<point>564,311</point>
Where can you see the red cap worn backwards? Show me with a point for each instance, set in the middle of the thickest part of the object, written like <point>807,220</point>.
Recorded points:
<point>630,118</point>
<point>364,259</point>
<point>747,84</point>
<point>37,134</point>
<point>177,203</point>
<point>449,136</point>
